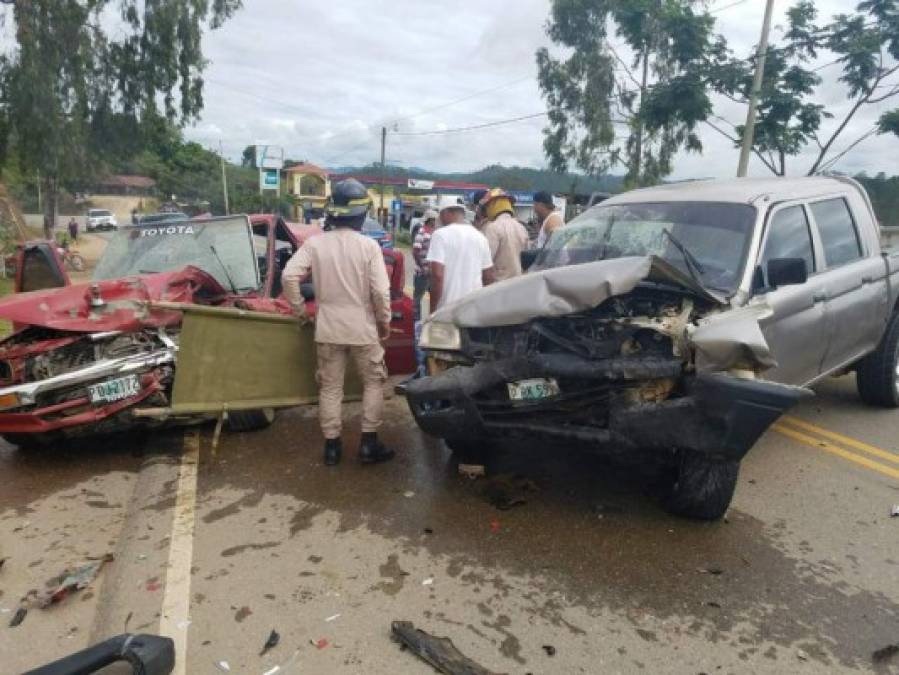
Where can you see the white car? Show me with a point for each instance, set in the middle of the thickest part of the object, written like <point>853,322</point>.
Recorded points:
<point>100,219</point>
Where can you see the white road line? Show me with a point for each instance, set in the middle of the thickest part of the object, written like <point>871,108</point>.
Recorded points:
<point>174,622</point>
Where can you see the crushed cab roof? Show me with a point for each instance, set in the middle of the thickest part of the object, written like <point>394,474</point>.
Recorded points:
<point>738,190</point>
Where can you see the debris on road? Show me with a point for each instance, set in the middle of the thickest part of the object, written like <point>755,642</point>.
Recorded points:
<point>713,570</point>
<point>273,639</point>
<point>72,581</point>
<point>333,617</point>
<point>550,650</point>
<point>472,470</point>
<point>428,530</point>
<point>2,562</point>
<point>504,492</point>
<point>439,652</point>
<point>408,494</point>
<point>321,643</point>
<point>494,526</point>
<point>801,655</point>
<point>428,582</point>
<point>18,617</point>
<point>224,666</point>
<point>283,666</point>
<point>885,654</point>
<point>894,512</point>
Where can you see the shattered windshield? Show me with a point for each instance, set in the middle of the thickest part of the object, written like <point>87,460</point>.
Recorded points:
<point>221,247</point>
<point>706,240</point>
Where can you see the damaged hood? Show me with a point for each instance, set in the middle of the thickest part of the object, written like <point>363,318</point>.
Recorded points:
<point>563,290</point>
<point>124,302</point>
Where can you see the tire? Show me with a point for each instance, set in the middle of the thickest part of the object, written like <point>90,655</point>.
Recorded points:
<point>251,420</point>
<point>25,441</point>
<point>699,487</point>
<point>877,375</point>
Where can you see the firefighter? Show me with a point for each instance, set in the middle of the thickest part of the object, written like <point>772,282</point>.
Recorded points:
<point>506,236</point>
<point>352,295</point>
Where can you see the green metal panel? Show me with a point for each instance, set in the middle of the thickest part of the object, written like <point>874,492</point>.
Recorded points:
<point>235,359</point>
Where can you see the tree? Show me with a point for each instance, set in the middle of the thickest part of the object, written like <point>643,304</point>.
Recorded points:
<point>75,82</point>
<point>655,99</point>
<point>864,44</point>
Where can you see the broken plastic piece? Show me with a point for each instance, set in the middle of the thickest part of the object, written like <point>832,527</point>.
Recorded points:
<point>18,617</point>
<point>333,617</point>
<point>321,643</point>
<point>273,639</point>
<point>439,652</point>
<point>894,512</point>
<point>885,653</point>
<point>550,650</point>
<point>408,494</point>
<point>224,666</point>
<point>72,581</point>
<point>147,655</point>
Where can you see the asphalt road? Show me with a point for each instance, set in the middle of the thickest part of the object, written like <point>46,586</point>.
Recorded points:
<point>589,575</point>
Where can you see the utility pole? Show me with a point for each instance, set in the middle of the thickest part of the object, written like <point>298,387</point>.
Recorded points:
<point>224,180</point>
<point>383,170</point>
<point>749,130</point>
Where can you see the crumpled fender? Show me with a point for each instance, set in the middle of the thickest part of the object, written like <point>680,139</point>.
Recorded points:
<point>731,339</point>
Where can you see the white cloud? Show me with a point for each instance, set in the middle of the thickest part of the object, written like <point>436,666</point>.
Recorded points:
<point>322,79</point>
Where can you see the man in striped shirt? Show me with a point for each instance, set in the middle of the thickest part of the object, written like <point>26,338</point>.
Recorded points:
<point>420,247</point>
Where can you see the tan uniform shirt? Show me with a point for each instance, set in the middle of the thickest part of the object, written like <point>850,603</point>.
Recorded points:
<point>352,291</point>
<point>507,238</point>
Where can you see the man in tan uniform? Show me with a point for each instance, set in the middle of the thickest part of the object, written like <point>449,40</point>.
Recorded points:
<point>352,294</point>
<point>506,236</point>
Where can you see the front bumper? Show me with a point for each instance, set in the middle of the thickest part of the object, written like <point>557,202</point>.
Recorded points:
<point>37,414</point>
<point>717,415</point>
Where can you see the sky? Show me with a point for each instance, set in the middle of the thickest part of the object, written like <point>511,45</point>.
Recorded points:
<point>322,78</point>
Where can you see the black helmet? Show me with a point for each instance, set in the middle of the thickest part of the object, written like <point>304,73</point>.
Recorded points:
<point>348,205</point>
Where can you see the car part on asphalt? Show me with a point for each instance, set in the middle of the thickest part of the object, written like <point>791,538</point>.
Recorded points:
<point>439,652</point>
<point>72,581</point>
<point>146,654</point>
<point>894,512</point>
<point>273,639</point>
<point>18,617</point>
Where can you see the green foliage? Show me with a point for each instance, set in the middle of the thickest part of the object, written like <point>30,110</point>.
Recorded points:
<point>884,193</point>
<point>599,118</point>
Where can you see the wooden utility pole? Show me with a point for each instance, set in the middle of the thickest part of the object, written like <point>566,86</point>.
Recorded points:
<point>749,130</point>
<point>224,180</point>
<point>383,171</point>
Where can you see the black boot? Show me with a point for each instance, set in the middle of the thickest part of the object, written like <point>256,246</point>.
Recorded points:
<point>372,450</point>
<point>333,449</point>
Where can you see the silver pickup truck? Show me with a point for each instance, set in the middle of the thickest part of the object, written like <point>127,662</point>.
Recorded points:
<point>674,323</point>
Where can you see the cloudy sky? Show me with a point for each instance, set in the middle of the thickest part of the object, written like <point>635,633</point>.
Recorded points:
<point>321,79</point>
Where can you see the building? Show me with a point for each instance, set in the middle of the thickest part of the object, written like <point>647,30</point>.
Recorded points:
<point>309,186</point>
<point>140,186</point>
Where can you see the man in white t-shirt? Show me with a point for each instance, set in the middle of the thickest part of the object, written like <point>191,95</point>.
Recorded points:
<point>459,258</point>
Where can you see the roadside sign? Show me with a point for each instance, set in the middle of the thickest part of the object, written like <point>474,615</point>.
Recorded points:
<point>269,179</point>
<point>396,205</point>
<point>269,157</point>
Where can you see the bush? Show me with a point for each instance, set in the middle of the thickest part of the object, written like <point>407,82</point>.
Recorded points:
<point>403,239</point>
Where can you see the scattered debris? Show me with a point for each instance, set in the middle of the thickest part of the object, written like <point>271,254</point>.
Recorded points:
<point>714,604</point>
<point>408,494</point>
<point>472,470</point>
<point>224,666</point>
<point>332,618</point>
<point>801,655</point>
<point>127,621</point>
<point>273,639</point>
<point>494,526</point>
<point>153,585</point>
<point>72,581</point>
<point>894,512</point>
<point>428,582</point>
<point>2,562</point>
<point>283,666</point>
<point>18,617</point>
<point>321,643</point>
<point>439,652</point>
<point>713,570</point>
<point>504,492</point>
<point>885,654</point>
<point>428,530</point>
<point>242,614</point>
<point>550,650</point>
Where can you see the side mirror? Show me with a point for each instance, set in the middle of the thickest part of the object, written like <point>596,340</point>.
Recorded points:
<point>786,271</point>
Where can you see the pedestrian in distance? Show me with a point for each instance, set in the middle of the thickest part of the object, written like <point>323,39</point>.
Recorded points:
<point>507,237</point>
<point>352,320</point>
<point>73,229</point>
<point>550,219</point>
<point>459,258</point>
<point>421,244</point>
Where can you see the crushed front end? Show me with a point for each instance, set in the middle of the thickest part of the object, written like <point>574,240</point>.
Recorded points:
<point>616,378</point>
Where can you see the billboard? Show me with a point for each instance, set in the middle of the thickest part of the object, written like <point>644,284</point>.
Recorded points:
<point>269,157</point>
<point>269,179</point>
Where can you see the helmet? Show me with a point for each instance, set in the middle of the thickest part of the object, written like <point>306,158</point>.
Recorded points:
<point>348,205</point>
<point>497,201</point>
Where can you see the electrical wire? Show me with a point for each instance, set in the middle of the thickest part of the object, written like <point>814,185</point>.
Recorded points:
<point>721,9</point>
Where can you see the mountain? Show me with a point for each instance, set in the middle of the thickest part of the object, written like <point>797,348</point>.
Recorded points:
<point>509,177</point>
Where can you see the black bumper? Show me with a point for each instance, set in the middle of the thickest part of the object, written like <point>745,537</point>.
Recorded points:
<point>715,414</point>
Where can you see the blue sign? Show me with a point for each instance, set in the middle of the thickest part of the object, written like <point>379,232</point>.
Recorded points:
<point>269,179</point>
<point>396,205</point>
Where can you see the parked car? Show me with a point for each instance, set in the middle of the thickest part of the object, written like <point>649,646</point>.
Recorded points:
<point>164,217</point>
<point>675,323</point>
<point>98,220</point>
<point>372,228</point>
<point>86,358</point>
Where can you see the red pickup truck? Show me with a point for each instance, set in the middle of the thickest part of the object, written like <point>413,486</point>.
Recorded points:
<point>84,357</point>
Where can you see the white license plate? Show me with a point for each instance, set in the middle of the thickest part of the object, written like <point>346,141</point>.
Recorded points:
<point>535,389</point>
<point>114,390</point>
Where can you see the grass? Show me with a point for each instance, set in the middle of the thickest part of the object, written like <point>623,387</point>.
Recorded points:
<point>7,286</point>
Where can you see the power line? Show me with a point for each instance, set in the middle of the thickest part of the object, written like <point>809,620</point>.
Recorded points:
<point>473,127</point>
<point>460,100</point>
<point>721,9</point>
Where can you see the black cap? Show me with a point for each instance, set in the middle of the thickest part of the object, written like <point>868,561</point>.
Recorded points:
<point>543,198</point>
<point>477,196</point>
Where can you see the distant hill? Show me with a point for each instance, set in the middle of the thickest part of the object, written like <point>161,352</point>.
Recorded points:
<point>509,177</point>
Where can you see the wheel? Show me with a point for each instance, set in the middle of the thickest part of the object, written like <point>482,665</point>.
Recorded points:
<point>699,487</point>
<point>25,441</point>
<point>251,420</point>
<point>77,262</point>
<point>877,375</point>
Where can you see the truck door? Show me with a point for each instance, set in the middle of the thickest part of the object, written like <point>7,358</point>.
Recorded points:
<point>856,293</point>
<point>792,332</point>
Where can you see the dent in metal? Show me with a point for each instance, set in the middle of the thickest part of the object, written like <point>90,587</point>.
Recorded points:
<point>731,340</point>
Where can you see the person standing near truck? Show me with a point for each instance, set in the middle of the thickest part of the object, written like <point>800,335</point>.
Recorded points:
<point>550,219</point>
<point>422,278</point>
<point>506,236</point>
<point>352,295</point>
<point>459,258</point>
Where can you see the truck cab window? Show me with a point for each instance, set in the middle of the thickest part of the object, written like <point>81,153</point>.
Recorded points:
<point>788,237</point>
<point>837,230</point>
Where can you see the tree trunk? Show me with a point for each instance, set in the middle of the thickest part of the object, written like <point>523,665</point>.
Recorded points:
<point>51,204</point>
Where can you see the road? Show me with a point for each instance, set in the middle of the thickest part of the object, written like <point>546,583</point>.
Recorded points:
<point>219,548</point>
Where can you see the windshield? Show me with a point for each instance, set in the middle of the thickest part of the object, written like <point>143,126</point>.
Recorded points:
<point>98,212</point>
<point>221,247</point>
<point>714,236</point>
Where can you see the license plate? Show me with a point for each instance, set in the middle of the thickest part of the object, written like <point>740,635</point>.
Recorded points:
<point>114,390</point>
<point>535,389</point>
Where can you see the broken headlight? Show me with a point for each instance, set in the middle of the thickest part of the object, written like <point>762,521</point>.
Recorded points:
<point>439,335</point>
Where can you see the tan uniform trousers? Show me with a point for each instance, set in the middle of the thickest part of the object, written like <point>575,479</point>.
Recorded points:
<point>332,360</point>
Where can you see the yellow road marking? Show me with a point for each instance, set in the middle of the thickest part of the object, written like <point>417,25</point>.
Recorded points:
<point>840,438</point>
<point>174,620</point>
<point>836,450</point>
